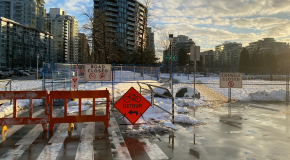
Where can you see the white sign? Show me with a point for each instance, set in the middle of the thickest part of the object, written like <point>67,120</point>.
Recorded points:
<point>98,72</point>
<point>37,55</point>
<point>231,80</point>
<point>195,53</point>
<point>159,74</point>
<point>74,82</point>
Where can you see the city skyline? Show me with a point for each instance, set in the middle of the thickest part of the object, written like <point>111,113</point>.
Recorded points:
<point>210,23</point>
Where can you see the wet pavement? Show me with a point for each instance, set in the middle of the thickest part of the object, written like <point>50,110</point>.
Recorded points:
<point>240,130</point>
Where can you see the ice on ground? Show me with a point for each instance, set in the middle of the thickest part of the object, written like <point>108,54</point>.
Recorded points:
<point>75,109</point>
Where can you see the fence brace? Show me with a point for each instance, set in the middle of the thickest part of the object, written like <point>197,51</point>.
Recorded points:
<point>152,97</point>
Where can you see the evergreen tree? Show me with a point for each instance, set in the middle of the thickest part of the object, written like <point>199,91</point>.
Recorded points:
<point>182,57</point>
<point>271,63</point>
<point>244,61</point>
<point>255,62</point>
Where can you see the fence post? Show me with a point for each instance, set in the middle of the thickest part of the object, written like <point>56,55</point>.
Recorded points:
<point>113,70</point>
<point>143,72</point>
<point>151,73</point>
<point>121,74</point>
<point>287,86</point>
<point>134,73</point>
<point>52,74</point>
<point>70,76</point>
<point>43,72</point>
<point>230,95</point>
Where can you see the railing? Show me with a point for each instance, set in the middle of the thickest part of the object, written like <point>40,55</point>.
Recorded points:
<point>152,97</point>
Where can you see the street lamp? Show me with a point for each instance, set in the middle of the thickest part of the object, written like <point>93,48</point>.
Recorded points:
<point>188,65</point>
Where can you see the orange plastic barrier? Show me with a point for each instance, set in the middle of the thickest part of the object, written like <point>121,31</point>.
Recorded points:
<point>14,95</point>
<point>79,118</point>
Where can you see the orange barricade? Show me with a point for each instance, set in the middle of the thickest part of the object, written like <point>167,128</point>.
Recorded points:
<point>79,118</point>
<point>14,95</point>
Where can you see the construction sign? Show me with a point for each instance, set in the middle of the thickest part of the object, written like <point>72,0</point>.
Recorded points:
<point>231,80</point>
<point>132,105</point>
<point>74,82</point>
<point>98,72</point>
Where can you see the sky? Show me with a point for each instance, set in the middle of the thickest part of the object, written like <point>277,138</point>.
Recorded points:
<point>208,22</point>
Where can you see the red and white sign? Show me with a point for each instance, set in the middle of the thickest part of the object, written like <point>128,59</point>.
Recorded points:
<point>132,105</point>
<point>74,82</point>
<point>98,72</point>
<point>231,80</point>
<point>231,84</point>
<point>37,55</point>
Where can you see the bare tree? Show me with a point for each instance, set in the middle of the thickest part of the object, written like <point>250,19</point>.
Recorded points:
<point>163,41</point>
<point>96,27</point>
<point>148,20</point>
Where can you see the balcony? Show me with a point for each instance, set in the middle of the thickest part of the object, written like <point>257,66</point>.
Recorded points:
<point>130,38</point>
<point>130,33</point>
<point>112,25</point>
<point>131,3</point>
<point>131,9</point>
<point>112,14</point>
<point>112,9</point>
<point>131,43</point>
<point>131,14</point>
<point>112,4</point>
<point>130,28</point>
<point>130,23</point>
<point>131,19</point>
<point>112,19</point>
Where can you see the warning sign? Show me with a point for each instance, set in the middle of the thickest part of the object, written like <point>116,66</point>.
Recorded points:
<point>132,105</point>
<point>74,82</point>
<point>98,72</point>
<point>231,80</point>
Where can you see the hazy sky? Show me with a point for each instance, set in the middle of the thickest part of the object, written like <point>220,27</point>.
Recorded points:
<point>210,22</point>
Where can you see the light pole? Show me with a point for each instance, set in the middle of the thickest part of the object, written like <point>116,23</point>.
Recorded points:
<point>188,65</point>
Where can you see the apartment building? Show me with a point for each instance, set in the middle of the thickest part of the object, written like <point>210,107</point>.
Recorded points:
<point>268,45</point>
<point>207,58</point>
<point>83,49</point>
<point>127,22</point>
<point>65,29</point>
<point>181,41</point>
<point>228,54</point>
<point>29,13</point>
<point>20,45</point>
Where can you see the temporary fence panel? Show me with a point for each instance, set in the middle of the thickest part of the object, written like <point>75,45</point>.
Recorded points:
<point>31,95</point>
<point>79,118</point>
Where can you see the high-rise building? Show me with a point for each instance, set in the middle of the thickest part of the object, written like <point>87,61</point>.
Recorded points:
<point>207,58</point>
<point>127,22</point>
<point>228,54</point>
<point>29,13</point>
<point>84,49</point>
<point>181,41</point>
<point>20,45</point>
<point>150,39</point>
<point>65,29</point>
<point>268,45</point>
